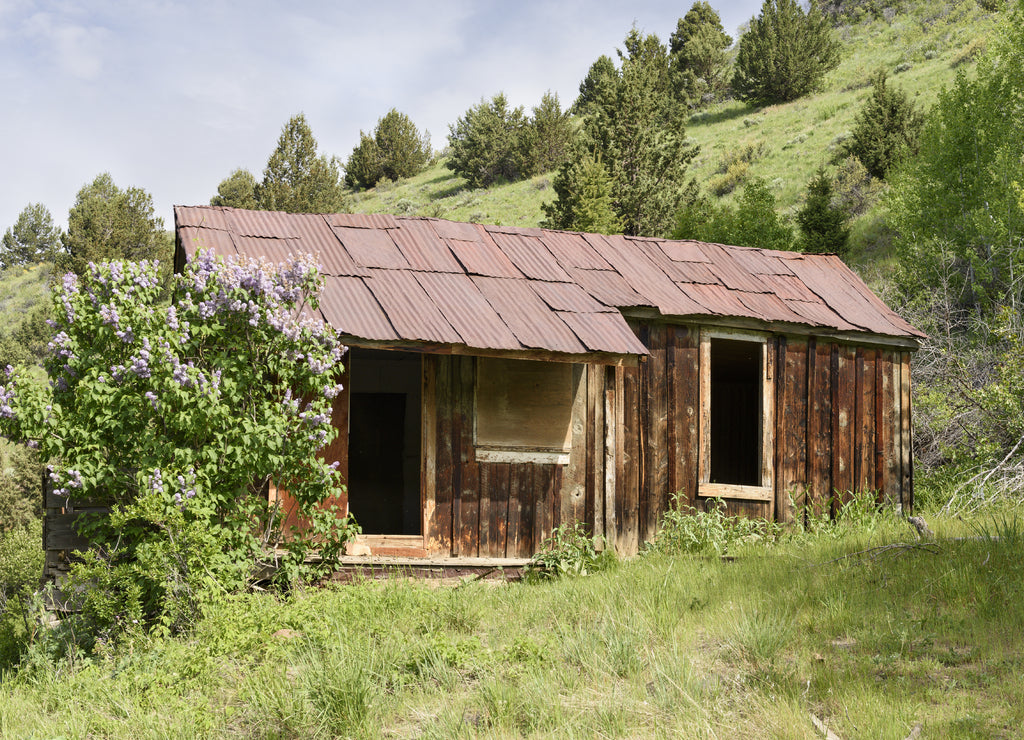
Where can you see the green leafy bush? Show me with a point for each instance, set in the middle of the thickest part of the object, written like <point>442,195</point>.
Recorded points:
<point>178,417</point>
<point>686,529</point>
<point>569,551</point>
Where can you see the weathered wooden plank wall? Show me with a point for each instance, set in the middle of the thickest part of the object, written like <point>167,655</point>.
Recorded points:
<point>841,426</point>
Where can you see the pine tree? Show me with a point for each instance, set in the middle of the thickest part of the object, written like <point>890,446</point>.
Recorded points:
<point>887,128</point>
<point>490,142</point>
<point>107,223</point>
<point>598,86</point>
<point>584,201</point>
<point>785,54</point>
<point>296,179</point>
<point>822,223</point>
<point>237,190</point>
<point>698,50</point>
<point>552,134</point>
<point>33,238</point>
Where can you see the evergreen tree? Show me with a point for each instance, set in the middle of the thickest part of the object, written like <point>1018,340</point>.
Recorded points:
<point>404,151</point>
<point>33,238</point>
<point>698,50</point>
<point>107,223</point>
<point>583,198</point>
<point>552,134</point>
<point>822,223</point>
<point>598,86</point>
<point>297,179</point>
<point>396,150</point>
<point>886,130</point>
<point>785,54</point>
<point>753,222</point>
<point>237,190</point>
<point>490,142</point>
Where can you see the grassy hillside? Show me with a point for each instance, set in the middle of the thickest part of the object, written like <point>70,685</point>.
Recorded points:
<point>922,46</point>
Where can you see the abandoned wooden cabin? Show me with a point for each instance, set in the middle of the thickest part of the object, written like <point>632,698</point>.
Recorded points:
<point>502,381</point>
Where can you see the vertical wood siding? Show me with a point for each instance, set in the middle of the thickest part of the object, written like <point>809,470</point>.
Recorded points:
<point>841,426</point>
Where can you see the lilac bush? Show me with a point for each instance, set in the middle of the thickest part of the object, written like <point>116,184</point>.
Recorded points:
<point>179,416</point>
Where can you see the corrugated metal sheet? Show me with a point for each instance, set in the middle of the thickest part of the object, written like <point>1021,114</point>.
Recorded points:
<point>610,288</point>
<point>604,332</point>
<point>219,242</point>
<point>411,311</point>
<point>371,247</point>
<point>572,250</point>
<point>466,309</point>
<point>348,306</point>
<point>508,288</point>
<point>568,297</point>
<point>422,248</point>
<point>526,315</point>
<point>483,258</point>
<point>207,217</point>
<point>362,220</point>
<point>529,254</point>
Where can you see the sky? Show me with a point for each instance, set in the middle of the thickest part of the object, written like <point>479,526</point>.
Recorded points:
<point>171,96</point>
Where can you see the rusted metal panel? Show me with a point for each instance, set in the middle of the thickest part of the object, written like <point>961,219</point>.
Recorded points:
<point>789,288</point>
<point>568,297</point>
<point>527,316</point>
<point>422,248</point>
<point>218,242</point>
<point>408,307</point>
<point>348,305</point>
<point>683,251</point>
<point>531,257</point>
<point>729,271</point>
<point>643,275</point>
<point>483,258</point>
<point>371,247</point>
<point>459,231</point>
<point>600,332</point>
<point>768,307</point>
<point>205,217</point>
<point>465,308</point>
<point>267,224</point>
<point>572,250</point>
<point>277,251</point>
<point>694,272</point>
<point>716,300</point>
<point>362,220</point>
<point>610,288</point>
<point>818,314</point>
<point>760,261</point>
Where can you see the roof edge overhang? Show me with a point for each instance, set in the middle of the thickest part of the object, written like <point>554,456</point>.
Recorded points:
<point>435,348</point>
<point>864,338</point>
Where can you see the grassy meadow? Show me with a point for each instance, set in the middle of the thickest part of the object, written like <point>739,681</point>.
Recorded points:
<point>856,626</point>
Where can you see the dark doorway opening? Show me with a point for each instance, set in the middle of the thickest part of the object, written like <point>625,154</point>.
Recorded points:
<point>736,411</point>
<point>384,441</point>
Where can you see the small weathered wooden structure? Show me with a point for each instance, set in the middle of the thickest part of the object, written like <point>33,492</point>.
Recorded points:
<point>502,381</point>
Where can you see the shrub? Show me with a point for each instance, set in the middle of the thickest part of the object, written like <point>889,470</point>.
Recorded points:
<point>821,220</point>
<point>569,551</point>
<point>490,142</point>
<point>685,529</point>
<point>178,417</point>
<point>395,150</point>
<point>886,130</point>
<point>785,54</point>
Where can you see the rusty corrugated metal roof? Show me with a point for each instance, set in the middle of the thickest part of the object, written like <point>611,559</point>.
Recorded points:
<point>507,288</point>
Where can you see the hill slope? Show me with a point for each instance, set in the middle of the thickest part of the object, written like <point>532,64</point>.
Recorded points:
<point>921,47</point>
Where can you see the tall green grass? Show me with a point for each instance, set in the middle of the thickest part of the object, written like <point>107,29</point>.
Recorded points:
<point>857,623</point>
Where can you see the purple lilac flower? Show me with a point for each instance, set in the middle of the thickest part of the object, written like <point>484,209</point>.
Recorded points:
<point>151,397</point>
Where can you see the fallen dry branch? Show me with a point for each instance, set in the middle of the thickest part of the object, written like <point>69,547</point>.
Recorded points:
<point>892,550</point>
